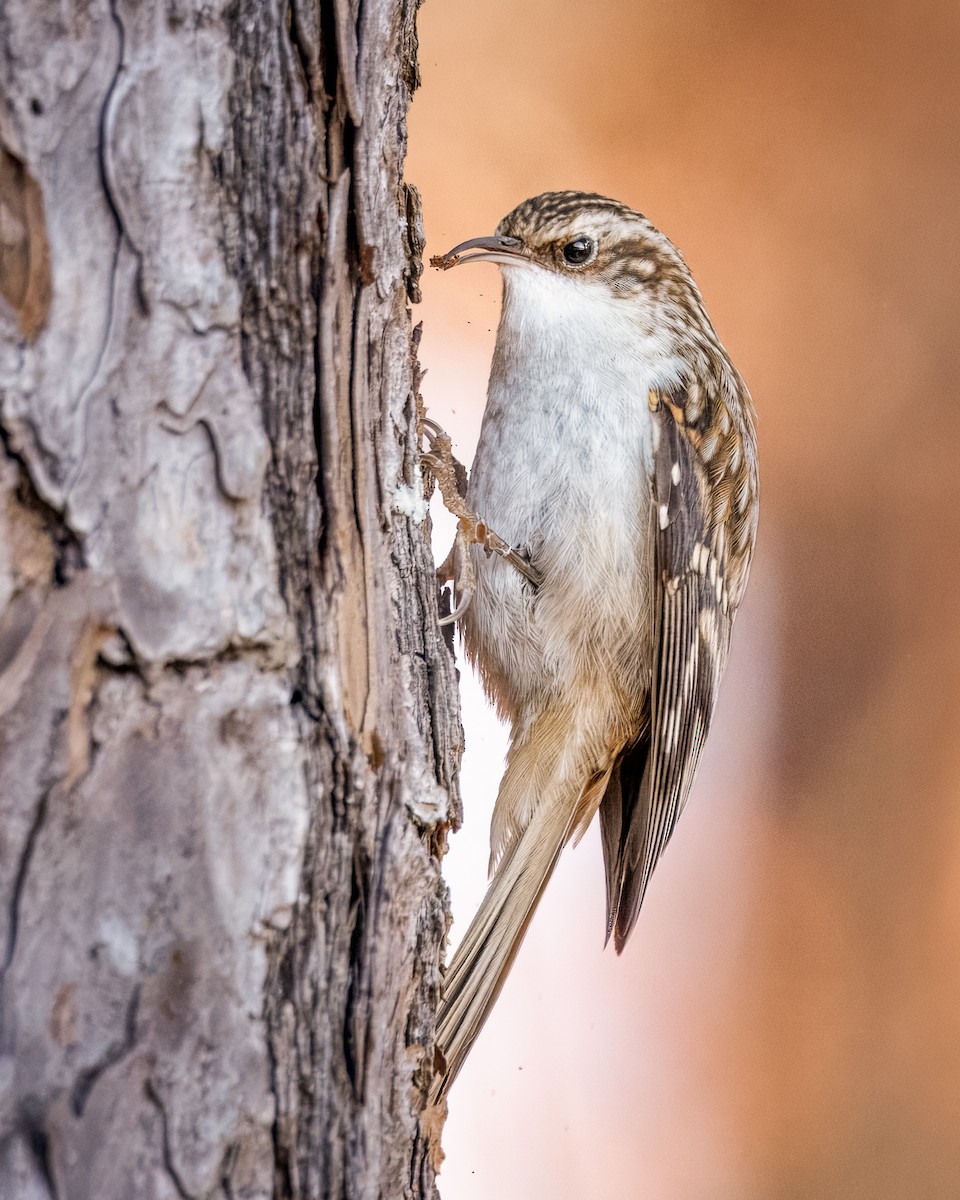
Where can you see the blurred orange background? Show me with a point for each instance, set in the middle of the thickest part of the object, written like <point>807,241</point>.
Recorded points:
<point>785,1022</point>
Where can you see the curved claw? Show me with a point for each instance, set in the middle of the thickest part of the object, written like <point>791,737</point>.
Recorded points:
<point>459,610</point>
<point>431,428</point>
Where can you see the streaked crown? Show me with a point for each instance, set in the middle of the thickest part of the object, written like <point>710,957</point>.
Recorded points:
<point>579,233</point>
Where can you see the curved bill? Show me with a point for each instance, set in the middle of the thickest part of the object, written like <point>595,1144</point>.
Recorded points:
<point>506,250</point>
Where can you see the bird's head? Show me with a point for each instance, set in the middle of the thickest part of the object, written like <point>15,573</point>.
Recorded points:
<point>585,239</point>
<point>577,261</point>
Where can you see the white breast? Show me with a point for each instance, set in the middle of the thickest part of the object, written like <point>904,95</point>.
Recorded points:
<point>563,469</point>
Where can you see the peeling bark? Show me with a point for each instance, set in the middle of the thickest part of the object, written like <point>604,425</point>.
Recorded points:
<point>229,732</point>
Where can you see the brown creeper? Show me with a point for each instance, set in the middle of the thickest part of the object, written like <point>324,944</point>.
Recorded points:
<point>618,457</point>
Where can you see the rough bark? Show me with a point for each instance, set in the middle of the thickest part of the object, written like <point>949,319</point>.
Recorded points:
<point>229,732</point>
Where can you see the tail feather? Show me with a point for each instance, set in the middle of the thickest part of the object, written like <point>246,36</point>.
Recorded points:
<point>483,959</point>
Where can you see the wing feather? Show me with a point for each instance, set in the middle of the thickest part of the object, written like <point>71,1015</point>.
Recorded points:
<point>692,623</point>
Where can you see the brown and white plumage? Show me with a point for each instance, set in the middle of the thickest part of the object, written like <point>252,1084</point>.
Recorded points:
<point>618,453</point>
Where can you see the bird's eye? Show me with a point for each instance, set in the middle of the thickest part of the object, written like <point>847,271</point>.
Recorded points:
<point>579,251</point>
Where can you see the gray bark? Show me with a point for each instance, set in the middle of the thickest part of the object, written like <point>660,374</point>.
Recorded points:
<point>229,732</point>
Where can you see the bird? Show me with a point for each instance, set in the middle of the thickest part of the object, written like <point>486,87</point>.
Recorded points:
<point>617,465</point>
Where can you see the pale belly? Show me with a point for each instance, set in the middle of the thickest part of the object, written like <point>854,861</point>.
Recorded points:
<point>567,479</point>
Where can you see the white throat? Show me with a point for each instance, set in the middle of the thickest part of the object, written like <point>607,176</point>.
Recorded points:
<point>573,327</point>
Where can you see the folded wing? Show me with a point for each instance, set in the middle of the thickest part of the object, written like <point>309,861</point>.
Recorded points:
<point>693,615</point>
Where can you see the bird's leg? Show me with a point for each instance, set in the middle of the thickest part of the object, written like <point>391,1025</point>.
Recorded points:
<point>451,479</point>
<point>459,567</point>
<point>449,474</point>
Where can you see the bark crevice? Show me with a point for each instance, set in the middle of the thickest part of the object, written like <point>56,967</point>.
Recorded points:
<point>167,1153</point>
<point>24,859</point>
<point>114,1053</point>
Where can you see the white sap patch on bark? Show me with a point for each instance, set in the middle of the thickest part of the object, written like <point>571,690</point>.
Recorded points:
<point>409,500</point>
<point>119,941</point>
<point>428,802</point>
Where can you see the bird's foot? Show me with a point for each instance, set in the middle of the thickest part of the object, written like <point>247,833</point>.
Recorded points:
<point>451,479</point>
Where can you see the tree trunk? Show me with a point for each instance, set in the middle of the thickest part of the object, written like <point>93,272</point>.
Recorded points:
<point>230,732</point>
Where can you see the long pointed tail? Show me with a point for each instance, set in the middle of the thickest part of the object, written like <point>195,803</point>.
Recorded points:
<point>484,957</point>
